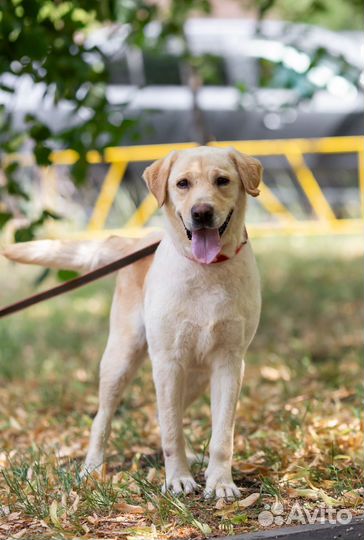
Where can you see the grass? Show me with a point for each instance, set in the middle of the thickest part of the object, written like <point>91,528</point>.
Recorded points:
<point>299,425</point>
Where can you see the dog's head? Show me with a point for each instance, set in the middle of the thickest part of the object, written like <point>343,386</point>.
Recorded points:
<point>204,192</point>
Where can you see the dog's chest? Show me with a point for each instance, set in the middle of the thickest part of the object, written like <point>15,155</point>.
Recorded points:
<point>194,321</point>
<point>192,312</point>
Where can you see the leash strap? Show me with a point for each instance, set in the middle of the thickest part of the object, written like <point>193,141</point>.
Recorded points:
<point>79,281</point>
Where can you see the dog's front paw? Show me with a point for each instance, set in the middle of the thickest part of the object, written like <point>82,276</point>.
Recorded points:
<point>221,486</point>
<point>180,484</point>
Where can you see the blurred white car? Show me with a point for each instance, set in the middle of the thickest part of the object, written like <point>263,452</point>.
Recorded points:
<point>266,81</point>
<point>277,81</point>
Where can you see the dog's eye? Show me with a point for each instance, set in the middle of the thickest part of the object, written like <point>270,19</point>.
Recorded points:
<point>222,181</point>
<point>183,184</point>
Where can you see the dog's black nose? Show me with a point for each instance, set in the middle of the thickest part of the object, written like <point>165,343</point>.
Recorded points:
<point>202,215</point>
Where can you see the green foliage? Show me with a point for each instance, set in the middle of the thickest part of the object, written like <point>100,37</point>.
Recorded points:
<point>334,14</point>
<point>4,218</point>
<point>25,234</point>
<point>59,59</point>
<point>65,275</point>
<point>46,41</point>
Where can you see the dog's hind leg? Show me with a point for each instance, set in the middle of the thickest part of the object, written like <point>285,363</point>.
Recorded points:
<point>196,383</point>
<point>124,353</point>
<point>169,380</point>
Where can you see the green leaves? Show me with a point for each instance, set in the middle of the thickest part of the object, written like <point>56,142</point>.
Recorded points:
<point>66,275</point>
<point>45,44</point>
<point>13,185</point>
<point>239,519</point>
<point>25,234</point>
<point>4,218</point>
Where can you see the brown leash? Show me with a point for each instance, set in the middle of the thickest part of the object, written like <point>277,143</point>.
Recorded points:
<point>80,281</point>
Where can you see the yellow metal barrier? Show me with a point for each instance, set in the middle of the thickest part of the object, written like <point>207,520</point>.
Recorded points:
<point>143,214</point>
<point>107,195</point>
<point>285,222</point>
<point>310,186</point>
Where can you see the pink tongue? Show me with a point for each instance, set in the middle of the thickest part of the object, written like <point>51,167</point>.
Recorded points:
<point>205,245</point>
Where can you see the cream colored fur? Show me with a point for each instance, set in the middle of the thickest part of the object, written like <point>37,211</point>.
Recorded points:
<point>196,321</point>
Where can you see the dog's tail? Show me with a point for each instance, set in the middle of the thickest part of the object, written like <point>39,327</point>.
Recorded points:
<point>82,255</point>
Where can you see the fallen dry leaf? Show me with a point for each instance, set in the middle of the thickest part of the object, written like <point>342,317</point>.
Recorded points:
<point>249,501</point>
<point>151,507</point>
<point>92,519</point>
<point>305,493</point>
<point>227,509</point>
<point>250,468</point>
<point>129,508</point>
<point>20,533</point>
<point>86,528</point>
<point>275,374</point>
<point>75,504</point>
<point>151,474</point>
<point>53,514</point>
<point>352,498</point>
<point>220,504</point>
<point>143,533</point>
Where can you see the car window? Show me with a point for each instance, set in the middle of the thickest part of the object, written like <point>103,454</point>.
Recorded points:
<point>167,69</point>
<point>118,71</point>
<point>161,69</point>
<point>212,69</point>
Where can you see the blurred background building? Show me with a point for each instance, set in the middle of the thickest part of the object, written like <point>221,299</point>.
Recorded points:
<point>132,73</point>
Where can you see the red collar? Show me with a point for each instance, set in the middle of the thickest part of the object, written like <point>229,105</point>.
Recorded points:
<point>221,257</point>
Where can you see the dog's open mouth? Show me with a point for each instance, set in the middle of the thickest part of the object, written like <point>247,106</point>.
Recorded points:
<point>206,244</point>
<point>221,229</point>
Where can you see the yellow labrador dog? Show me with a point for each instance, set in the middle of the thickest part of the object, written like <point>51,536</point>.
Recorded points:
<point>194,306</point>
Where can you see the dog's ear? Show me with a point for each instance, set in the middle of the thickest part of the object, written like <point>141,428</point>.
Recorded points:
<point>250,171</point>
<point>156,176</point>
